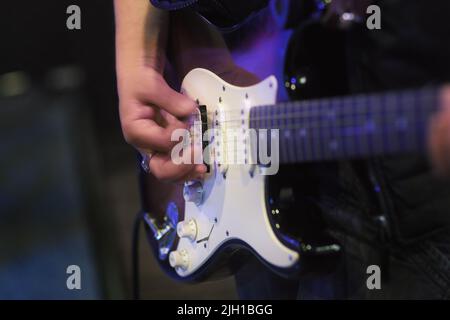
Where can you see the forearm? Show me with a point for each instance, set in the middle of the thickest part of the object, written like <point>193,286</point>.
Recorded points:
<point>196,44</point>
<point>141,34</point>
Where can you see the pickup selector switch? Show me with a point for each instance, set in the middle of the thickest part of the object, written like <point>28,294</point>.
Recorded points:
<point>193,192</point>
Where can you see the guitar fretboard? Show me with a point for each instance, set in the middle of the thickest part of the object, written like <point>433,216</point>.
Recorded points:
<point>349,127</point>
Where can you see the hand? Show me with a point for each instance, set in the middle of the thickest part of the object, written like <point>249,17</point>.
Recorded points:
<point>439,137</point>
<point>149,112</point>
<point>149,109</point>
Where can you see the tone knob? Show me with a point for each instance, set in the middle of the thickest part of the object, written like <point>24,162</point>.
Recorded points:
<point>193,192</point>
<point>187,229</point>
<point>179,259</point>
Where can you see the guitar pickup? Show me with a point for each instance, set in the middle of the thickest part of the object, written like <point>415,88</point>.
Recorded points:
<point>205,142</point>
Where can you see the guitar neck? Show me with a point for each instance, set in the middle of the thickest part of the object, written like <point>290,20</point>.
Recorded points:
<point>349,127</point>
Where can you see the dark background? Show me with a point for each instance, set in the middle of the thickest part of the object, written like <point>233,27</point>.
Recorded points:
<point>68,181</point>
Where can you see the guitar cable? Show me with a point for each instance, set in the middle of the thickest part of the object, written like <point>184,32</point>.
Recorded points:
<point>136,294</point>
<point>135,256</point>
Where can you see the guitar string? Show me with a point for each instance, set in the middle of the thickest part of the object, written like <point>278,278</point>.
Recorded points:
<point>315,138</point>
<point>329,113</point>
<point>344,102</point>
<point>304,110</point>
<point>336,126</point>
<point>320,117</point>
<point>314,123</point>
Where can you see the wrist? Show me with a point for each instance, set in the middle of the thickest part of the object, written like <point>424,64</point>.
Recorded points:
<point>141,36</point>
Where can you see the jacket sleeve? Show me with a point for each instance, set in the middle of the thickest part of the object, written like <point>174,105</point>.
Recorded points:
<point>224,14</point>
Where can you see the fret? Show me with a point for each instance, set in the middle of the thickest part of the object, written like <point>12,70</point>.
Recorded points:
<point>267,121</point>
<point>393,123</point>
<point>320,136</point>
<point>383,125</point>
<point>417,106</point>
<point>402,123</point>
<point>259,118</point>
<point>409,103</point>
<point>428,98</point>
<point>359,129</point>
<point>341,147</point>
<point>285,133</point>
<point>367,127</point>
<point>350,130</point>
<point>333,143</point>
<point>294,137</point>
<point>302,136</point>
<point>319,133</point>
<point>325,135</point>
<point>267,124</point>
<point>365,139</point>
<point>279,124</point>
<point>290,122</point>
<point>270,123</point>
<point>373,125</point>
<point>315,154</point>
<point>387,137</point>
<point>307,133</point>
<point>361,138</point>
<point>328,135</point>
<point>297,139</point>
<point>340,130</point>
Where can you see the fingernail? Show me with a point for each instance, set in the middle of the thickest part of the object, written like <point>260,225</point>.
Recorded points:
<point>201,168</point>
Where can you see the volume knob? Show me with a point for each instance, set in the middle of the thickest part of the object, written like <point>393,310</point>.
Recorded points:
<point>179,259</point>
<point>187,229</point>
<point>193,192</point>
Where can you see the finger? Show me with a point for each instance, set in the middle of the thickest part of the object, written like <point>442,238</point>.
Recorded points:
<point>439,144</point>
<point>163,168</point>
<point>147,134</point>
<point>178,167</point>
<point>198,173</point>
<point>440,135</point>
<point>171,120</point>
<point>445,133</point>
<point>163,96</point>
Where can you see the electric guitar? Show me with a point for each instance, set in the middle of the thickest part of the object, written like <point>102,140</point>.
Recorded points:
<point>198,226</point>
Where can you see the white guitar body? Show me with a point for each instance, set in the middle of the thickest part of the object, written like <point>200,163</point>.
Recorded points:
<point>229,206</point>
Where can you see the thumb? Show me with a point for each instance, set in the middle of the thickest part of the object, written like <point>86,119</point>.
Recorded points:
<point>175,103</point>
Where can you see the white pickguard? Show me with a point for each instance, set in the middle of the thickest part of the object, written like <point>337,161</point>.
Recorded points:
<point>235,206</point>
